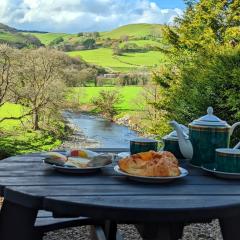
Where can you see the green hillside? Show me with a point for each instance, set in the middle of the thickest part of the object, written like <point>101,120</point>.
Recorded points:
<point>147,38</point>
<point>46,38</point>
<point>134,30</point>
<point>16,38</point>
<point>129,61</point>
<point>6,28</point>
<point>103,56</point>
<point>131,30</point>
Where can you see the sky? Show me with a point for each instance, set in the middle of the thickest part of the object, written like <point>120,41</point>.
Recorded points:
<point>72,16</point>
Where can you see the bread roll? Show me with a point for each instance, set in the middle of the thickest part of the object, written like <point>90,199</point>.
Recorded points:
<point>55,158</point>
<point>151,164</point>
<point>77,162</point>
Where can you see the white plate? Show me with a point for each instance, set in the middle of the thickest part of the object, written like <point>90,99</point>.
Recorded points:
<point>74,170</point>
<point>183,171</point>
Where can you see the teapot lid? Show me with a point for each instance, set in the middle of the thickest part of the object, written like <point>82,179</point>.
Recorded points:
<point>210,120</point>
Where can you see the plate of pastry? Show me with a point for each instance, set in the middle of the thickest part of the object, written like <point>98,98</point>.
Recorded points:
<point>77,161</point>
<point>151,167</point>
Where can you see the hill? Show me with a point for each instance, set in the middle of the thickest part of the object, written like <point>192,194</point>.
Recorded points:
<point>15,38</point>
<point>134,30</point>
<point>47,38</point>
<point>140,30</point>
<point>6,28</point>
<point>140,45</point>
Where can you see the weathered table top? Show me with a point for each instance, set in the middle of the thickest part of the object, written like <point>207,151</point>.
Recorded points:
<point>26,180</point>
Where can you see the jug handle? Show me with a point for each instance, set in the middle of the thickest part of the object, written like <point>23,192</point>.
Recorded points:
<point>233,127</point>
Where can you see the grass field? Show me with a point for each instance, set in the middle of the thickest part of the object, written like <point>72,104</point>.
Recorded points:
<point>142,43</point>
<point>133,30</point>
<point>21,139</point>
<point>11,37</point>
<point>129,61</point>
<point>10,110</point>
<point>129,94</point>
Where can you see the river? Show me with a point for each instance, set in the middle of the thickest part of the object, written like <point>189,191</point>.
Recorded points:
<point>106,133</point>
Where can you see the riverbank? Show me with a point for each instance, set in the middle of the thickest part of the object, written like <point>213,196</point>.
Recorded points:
<point>77,139</point>
<point>95,131</point>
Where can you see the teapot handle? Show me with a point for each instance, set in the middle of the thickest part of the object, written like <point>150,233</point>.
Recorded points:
<point>233,127</point>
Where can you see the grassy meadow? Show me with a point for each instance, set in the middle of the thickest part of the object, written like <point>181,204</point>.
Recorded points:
<point>129,61</point>
<point>11,37</point>
<point>46,38</point>
<point>142,43</point>
<point>130,95</point>
<point>19,140</point>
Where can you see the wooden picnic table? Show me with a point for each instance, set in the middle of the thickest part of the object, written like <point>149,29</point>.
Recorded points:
<point>159,211</point>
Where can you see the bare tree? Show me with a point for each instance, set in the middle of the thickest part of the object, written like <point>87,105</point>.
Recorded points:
<point>6,72</point>
<point>40,82</point>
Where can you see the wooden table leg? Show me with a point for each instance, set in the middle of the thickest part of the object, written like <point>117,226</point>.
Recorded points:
<point>164,231</point>
<point>230,228</point>
<point>108,229</point>
<point>17,222</point>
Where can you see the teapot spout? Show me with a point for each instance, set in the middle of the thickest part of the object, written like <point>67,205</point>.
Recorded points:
<point>185,144</point>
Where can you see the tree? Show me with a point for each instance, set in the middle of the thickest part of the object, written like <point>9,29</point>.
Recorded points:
<point>153,118</point>
<point>80,34</point>
<point>56,41</point>
<point>204,68</point>
<point>117,50</point>
<point>107,102</point>
<point>7,78</point>
<point>205,24</point>
<point>89,43</point>
<point>32,40</point>
<point>95,35</point>
<point>40,84</point>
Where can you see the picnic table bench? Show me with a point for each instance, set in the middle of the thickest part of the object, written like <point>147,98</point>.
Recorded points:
<point>159,211</point>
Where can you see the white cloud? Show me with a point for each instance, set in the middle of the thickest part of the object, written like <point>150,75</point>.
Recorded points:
<point>81,15</point>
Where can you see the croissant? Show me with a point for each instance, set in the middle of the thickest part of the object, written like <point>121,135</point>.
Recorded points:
<point>151,164</point>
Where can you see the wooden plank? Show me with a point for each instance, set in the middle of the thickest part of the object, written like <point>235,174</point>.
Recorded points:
<point>97,179</point>
<point>127,190</point>
<point>146,208</point>
<point>144,201</point>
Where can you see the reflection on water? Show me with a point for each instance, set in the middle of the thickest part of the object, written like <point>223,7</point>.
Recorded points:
<point>107,133</point>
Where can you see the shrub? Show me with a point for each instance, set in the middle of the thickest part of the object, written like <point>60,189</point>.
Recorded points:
<point>56,41</point>
<point>107,101</point>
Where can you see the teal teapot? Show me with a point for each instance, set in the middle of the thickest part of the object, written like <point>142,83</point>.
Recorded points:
<point>205,135</point>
